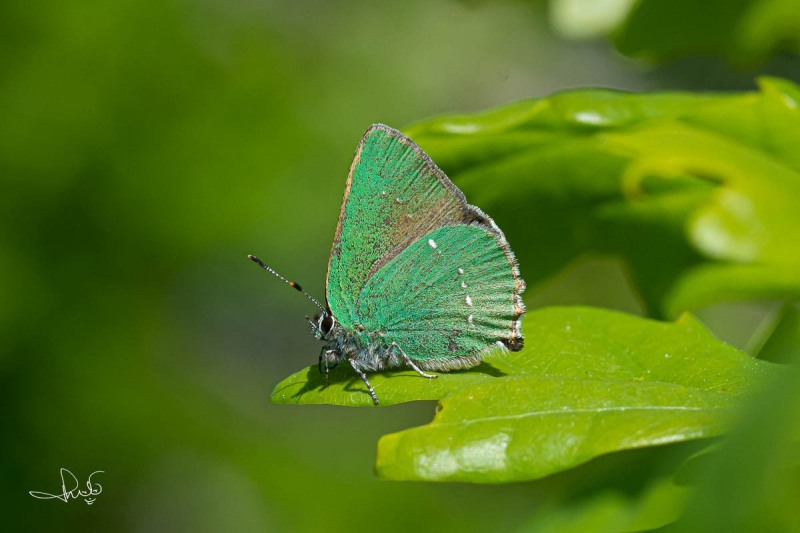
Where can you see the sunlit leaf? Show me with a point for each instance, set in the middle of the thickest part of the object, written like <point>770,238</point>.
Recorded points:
<point>588,382</point>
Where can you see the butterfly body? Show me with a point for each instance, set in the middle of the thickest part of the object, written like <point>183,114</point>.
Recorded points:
<point>417,277</point>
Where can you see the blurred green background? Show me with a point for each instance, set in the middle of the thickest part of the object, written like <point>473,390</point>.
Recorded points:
<point>146,148</point>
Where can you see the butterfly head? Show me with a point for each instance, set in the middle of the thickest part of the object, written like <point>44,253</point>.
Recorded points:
<point>327,329</point>
<point>323,325</point>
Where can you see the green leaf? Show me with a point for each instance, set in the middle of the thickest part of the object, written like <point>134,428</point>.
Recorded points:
<point>672,183</point>
<point>588,382</point>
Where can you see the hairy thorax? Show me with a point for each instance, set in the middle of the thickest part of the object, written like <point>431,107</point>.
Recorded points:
<point>370,352</point>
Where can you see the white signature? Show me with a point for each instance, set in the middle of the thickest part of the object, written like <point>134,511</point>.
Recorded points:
<point>69,488</point>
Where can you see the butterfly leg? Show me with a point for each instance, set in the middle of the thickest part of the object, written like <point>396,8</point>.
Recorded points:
<point>324,360</point>
<point>410,363</point>
<point>366,382</point>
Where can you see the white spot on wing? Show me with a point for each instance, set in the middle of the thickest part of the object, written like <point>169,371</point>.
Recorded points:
<point>432,243</point>
<point>468,300</point>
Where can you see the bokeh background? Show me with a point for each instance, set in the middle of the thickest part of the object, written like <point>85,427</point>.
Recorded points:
<point>146,148</point>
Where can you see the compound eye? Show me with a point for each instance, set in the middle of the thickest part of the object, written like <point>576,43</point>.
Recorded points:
<point>326,324</point>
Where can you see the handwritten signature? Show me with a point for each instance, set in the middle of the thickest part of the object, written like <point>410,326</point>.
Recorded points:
<point>69,480</point>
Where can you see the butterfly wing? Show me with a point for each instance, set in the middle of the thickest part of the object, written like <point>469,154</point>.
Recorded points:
<point>448,296</point>
<point>394,195</point>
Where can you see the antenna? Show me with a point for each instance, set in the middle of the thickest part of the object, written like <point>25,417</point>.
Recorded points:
<point>257,261</point>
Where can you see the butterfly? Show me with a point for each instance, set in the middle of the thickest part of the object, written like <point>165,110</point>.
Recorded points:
<point>417,277</point>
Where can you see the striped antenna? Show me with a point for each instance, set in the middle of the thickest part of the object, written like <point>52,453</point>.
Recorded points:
<point>257,261</point>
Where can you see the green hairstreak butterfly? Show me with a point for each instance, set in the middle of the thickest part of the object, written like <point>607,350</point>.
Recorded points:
<point>417,277</point>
